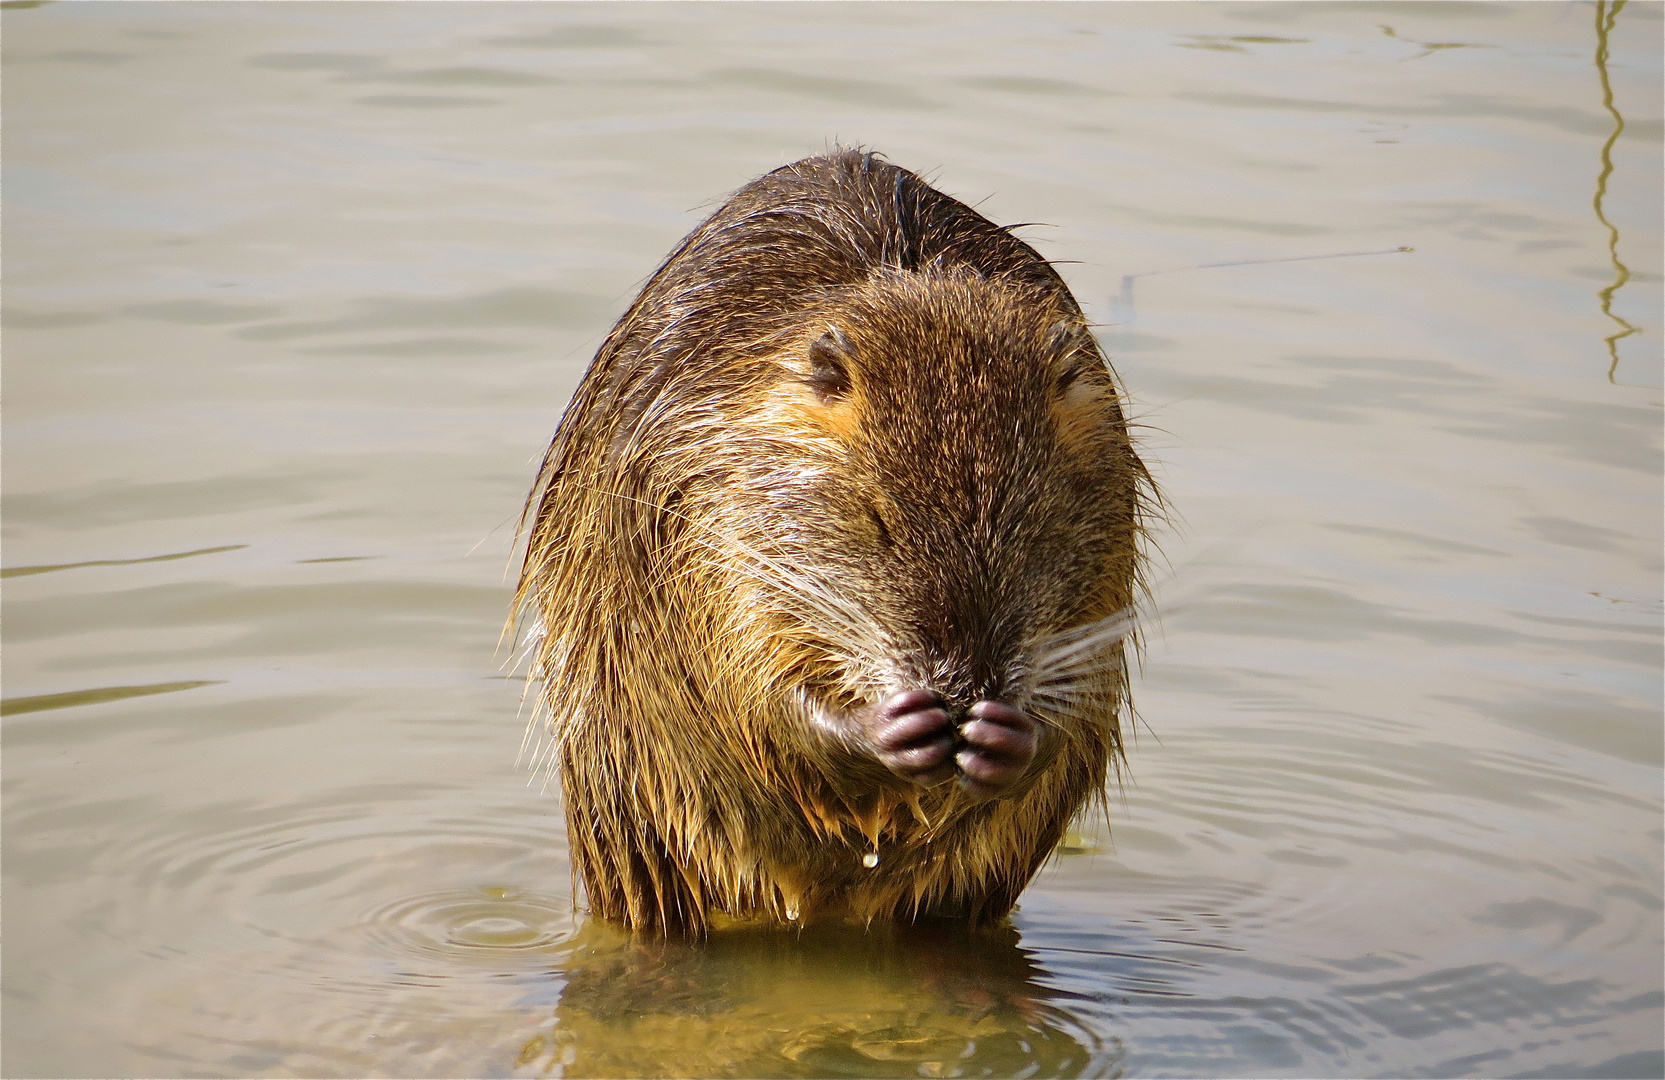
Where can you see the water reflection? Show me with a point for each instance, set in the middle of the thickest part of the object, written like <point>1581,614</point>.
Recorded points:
<point>27,571</point>
<point>1606,14</point>
<point>834,1001</point>
<point>1431,47</point>
<point>14,705</point>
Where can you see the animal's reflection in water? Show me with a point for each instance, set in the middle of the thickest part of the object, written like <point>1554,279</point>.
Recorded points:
<point>931,999</point>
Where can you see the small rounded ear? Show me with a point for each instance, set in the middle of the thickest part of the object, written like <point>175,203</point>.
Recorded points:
<point>1070,360</point>
<point>829,366</point>
<point>1063,337</point>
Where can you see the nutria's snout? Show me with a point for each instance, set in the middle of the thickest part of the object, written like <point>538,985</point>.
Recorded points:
<point>921,737</point>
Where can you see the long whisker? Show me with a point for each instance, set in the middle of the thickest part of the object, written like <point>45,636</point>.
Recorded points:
<point>1084,641</point>
<point>838,618</point>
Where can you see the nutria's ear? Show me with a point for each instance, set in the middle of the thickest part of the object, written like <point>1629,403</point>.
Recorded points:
<point>829,366</point>
<point>1070,360</point>
<point>1063,337</point>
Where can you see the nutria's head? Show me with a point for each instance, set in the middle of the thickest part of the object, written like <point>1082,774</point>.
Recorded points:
<point>940,520</point>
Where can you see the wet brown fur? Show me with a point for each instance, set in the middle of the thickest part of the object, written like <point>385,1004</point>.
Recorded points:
<point>719,546</point>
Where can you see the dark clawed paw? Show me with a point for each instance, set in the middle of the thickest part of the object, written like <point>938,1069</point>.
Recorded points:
<point>912,737</point>
<point>999,744</point>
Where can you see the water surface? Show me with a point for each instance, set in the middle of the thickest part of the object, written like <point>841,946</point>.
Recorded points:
<point>295,294</point>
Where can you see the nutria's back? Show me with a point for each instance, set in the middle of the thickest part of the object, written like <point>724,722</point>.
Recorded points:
<point>832,559</point>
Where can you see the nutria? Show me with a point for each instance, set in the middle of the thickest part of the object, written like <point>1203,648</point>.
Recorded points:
<point>830,566</point>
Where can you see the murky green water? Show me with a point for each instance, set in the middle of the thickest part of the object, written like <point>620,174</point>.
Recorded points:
<point>294,295</point>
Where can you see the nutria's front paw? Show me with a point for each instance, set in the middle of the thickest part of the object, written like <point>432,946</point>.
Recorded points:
<point>912,737</point>
<point>999,744</point>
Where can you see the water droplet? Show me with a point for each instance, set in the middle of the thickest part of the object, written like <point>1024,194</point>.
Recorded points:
<point>1076,843</point>
<point>791,914</point>
<point>870,860</point>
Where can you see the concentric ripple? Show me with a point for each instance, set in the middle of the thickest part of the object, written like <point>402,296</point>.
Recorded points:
<point>891,1044</point>
<point>471,925</point>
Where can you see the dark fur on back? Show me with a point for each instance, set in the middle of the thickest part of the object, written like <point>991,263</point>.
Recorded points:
<point>727,543</point>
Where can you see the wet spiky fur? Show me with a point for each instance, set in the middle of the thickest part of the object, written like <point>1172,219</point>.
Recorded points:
<point>722,549</point>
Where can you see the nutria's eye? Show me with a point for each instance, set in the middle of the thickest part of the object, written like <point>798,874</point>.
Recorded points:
<point>879,524</point>
<point>829,374</point>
